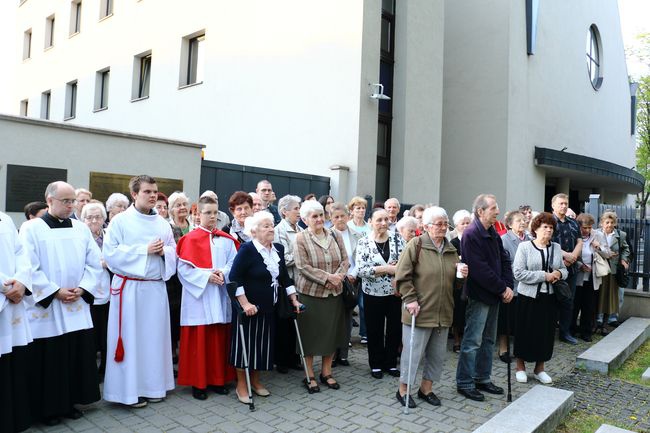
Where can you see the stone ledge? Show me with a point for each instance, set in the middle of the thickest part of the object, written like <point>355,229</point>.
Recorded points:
<point>550,405</point>
<point>606,428</point>
<point>646,375</point>
<point>614,349</point>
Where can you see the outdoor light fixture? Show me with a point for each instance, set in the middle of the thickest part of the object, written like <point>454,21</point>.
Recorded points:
<point>379,92</point>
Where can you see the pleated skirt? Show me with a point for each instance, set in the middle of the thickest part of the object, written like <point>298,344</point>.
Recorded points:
<point>14,390</point>
<point>259,333</point>
<point>322,325</point>
<point>535,327</point>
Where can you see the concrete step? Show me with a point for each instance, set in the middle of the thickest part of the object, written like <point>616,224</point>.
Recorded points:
<point>606,428</point>
<point>614,349</point>
<point>550,405</point>
<point>646,375</point>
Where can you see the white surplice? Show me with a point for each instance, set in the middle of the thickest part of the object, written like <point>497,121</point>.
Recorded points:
<point>65,257</point>
<point>147,369</point>
<point>14,264</point>
<point>203,303</point>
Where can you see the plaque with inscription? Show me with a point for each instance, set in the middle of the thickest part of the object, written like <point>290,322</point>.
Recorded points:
<point>27,183</point>
<point>104,184</point>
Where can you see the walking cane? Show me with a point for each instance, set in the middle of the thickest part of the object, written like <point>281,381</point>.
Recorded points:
<point>408,378</point>
<point>302,355</point>
<point>509,397</point>
<point>232,288</point>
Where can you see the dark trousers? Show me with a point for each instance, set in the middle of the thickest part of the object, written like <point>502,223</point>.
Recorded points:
<point>583,303</point>
<point>566,311</point>
<point>383,313</point>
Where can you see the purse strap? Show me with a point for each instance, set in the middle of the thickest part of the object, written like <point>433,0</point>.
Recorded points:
<point>546,268</point>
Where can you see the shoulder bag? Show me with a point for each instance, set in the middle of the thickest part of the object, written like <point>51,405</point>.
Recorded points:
<point>601,265</point>
<point>561,288</point>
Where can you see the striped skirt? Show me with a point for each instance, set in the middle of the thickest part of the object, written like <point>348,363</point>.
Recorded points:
<point>259,331</point>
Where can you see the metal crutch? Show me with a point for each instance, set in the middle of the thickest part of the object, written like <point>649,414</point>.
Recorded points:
<point>302,355</point>
<point>408,378</point>
<point>231,287</point>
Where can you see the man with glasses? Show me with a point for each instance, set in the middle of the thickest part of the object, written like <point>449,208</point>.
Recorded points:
<point>265,191</point>
<point>66,273</point>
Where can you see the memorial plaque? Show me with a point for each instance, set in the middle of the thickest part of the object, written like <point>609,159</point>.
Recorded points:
<point>27,183</point>
<point>104,184</point>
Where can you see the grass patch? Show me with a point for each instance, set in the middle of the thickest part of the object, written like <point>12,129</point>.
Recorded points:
<point>582,422</point>
<point>635,366</point>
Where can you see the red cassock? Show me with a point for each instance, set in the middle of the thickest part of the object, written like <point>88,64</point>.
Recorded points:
<point>204,349</point>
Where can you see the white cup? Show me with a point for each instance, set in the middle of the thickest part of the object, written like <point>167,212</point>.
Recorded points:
<point>460,266</point>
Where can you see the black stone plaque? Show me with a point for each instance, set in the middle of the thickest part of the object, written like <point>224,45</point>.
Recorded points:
<point>27,183</point>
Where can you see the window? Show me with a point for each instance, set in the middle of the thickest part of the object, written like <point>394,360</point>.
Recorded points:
<point>46,97</point>
<point>192,59</point>
<point>75,17</point>
<point>27,44</point>
<point>141,76</point>
<point>105,8</point>
<point>101,89</point>
<point>24,106</point>
<point>594,57</point>
<point>49,31</point>
<point>70,100</point>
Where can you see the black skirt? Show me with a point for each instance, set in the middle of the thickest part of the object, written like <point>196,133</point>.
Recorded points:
<point>459,310</point>
<point>535,327</point>
<point>507,317</point>
<point>14,391</point>
<point>259,333</point>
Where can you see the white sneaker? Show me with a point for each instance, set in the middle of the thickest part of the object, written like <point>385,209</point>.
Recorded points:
<point>521,376</point>
<point>543,377</point>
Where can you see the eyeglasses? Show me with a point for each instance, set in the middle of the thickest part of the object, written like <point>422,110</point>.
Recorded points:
<point>93,217</point>
<point>66,201</point>
<point>440,224</point>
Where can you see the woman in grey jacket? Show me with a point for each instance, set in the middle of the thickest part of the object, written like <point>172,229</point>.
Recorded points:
<point>537,265</point>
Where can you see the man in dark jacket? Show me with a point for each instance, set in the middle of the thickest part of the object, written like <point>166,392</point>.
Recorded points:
<point>488,284</point>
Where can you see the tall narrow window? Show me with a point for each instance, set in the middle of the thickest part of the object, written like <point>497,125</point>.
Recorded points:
<point>75,17</point>
<point>101,89</point>
<point>27,44</point>
<point>70,100</point>
<point>192,59</point>
<point>49,31</point>
<point>46,98</point>
<point>105,8</point>
<point>24,107</point>
<point>141,76</point>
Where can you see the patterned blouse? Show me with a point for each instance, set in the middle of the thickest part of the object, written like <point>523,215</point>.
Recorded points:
<point>315,260</point>
<point>369,256</point>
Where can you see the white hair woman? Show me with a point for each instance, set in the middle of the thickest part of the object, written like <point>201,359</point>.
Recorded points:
<point>322,263</point>
<point>426,277</point>
<point>116,203</point>
<point>407,227</point>
<point>461,220</point>
<point>179,209</point>
<point>261,273</point>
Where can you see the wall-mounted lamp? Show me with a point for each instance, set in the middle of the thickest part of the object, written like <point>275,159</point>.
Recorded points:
<point>378,92</point>
<point>563,149</point>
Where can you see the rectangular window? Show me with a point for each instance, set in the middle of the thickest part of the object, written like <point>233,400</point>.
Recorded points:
<point>192,59</point>
<point>105,8</point>
<point>27,44</point>
<point>46,97</point>
<point>24,106</point>
<point>101,89</point>
<point>49,31</point>
<point>70,100</point>
<point>75,17</point>
<point>141,76</point>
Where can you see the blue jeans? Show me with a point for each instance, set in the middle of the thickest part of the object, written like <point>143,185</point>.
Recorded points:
<point>477,347</point>
<point>362,315</point>
<point>566,311</point>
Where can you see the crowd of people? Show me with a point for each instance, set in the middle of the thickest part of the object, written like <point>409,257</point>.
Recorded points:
<point>140,284</point>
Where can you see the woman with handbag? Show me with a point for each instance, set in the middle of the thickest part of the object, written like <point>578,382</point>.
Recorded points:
<point>538,267</point>
<point>376,259</point>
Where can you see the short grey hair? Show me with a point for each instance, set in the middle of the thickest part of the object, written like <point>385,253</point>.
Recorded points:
<point>252,222</point>
<point>338,206</point>
<point>210,193</point>
<point>310,206</point>
<point>481,202</point>
<point>407,221</point>
<point>460,215</point>
<point>114,199</point>
<point>177,196</point>
<point>393,199</point>
<point>93,206</point>
<point>287,202</point>
<point>432,213</point>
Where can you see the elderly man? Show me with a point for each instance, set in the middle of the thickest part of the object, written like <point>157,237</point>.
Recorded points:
<point>392,207</point>
<point>489,283</point>
<point>139,248</point>
<point>265,191</point>
<point>66,272</point>
<point>83,197</point>
<point>222,219</point>
<point>569,237</point>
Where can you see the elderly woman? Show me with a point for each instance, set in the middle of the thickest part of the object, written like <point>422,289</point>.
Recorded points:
<point>516,221</point>
<point>587,282</point>
<point>285,234</point>
<point>426,277</point>
<point>340,218</point>
<point>461,220</point>
<point>416,211</point>
<point>322,264</point>
<point>258,204</point>
<point>240,205</point>
<point>94,215</point>
<point>116,203</point>
<point>261,273</point>
<point>357,207</point>
<point>179,215</point>
<point>376,259</point>
<point>408,227</point>
<point>619,253</point>
<point>162,205</point>
<point>537,265</point>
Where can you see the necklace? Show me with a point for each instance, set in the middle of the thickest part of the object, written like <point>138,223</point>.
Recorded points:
<point>382,248</point>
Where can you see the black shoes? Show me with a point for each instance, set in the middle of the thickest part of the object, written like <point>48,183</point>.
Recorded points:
<point>402,400</point>
<point>199,393</point>
<point>429,398</point>
<point>310,388</point>
<point>489,388</point>
<point>393,372</point>
<point>74,414</point>
<point>505,357</point>
<point>219,389</point>
<point>343,362</point>
<point>377,374</point>
<point>472,394</point>
<point>586,337</point>
<point>331,385</point>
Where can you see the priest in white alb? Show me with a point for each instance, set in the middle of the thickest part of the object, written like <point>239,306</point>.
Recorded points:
<point>15,334</point>
<point>139,249</point>
<point>66,269</point>
<point>205,256</point>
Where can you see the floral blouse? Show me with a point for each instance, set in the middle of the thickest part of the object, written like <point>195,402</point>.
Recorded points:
<point>368,256</point>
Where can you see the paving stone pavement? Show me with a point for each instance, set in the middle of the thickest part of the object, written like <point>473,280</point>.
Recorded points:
<point>363,404</point>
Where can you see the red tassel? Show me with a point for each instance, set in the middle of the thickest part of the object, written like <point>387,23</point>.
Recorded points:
<point>119,351</point>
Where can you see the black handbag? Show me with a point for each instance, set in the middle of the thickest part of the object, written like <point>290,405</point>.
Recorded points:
<point>283,307</point>
<point>350,292</point>
<point>622,277</point>
<point>561,288</point>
